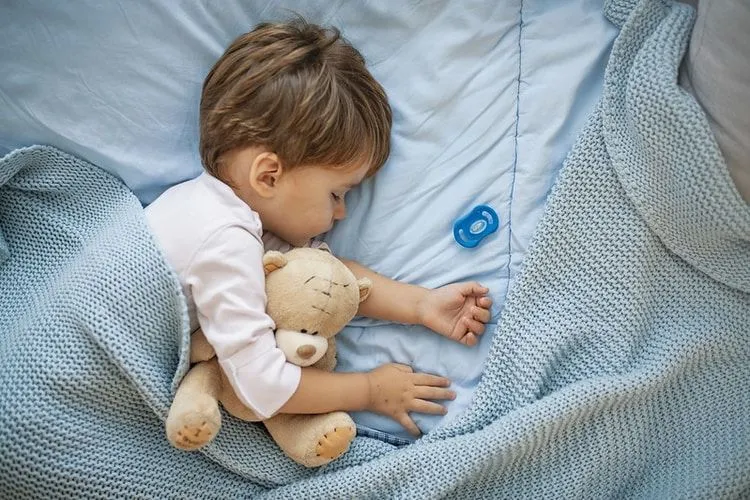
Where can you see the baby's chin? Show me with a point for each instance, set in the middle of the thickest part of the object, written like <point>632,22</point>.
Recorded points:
<point>302,242</point>
<point>305,240</point>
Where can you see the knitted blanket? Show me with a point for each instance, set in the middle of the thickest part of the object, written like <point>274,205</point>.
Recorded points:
<point>620,366</point>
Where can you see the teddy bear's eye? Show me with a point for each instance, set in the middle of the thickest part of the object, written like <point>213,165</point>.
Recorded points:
<point>314,333</point>
<point>303,331</point>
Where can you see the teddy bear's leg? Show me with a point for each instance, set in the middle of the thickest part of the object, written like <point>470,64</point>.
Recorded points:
<point>232,403</point>
<point>200,349</point>
<point>312,440</point>
<point>194,418</point>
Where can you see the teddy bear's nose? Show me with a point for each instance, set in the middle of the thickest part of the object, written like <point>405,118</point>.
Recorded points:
<point>305,351</point>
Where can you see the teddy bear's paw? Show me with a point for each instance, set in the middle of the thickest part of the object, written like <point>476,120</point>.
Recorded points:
<point>192,430</point>
<point>333,444</point>
<point>312,440</point>
<point>195,435</point>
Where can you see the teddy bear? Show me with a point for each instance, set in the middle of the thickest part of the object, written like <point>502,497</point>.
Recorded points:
<point>311,296</point>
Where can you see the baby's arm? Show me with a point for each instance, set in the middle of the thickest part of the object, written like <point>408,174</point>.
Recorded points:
<point>392,390</point>
<point>227,282</point>
<point>458,311</point>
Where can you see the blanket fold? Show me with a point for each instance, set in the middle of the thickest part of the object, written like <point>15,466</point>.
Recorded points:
<point>619,366</point>
<point>661,148</point>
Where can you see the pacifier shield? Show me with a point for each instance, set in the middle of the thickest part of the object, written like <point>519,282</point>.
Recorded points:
<point>472,228</point>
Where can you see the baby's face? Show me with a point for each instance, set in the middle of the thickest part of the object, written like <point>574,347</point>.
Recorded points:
<point>309,200</point>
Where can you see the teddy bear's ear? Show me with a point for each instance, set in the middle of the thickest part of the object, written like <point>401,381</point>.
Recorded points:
<point>273,260</point>
<point>365,287</point>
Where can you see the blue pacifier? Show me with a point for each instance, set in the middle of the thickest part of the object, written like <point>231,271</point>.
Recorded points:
<point>471,229</point>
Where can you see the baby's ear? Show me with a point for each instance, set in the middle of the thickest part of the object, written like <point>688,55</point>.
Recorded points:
<point>365,287</point>
<point>273,260</point>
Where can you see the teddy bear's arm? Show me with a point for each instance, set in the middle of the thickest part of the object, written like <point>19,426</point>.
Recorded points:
<point>328,361</point>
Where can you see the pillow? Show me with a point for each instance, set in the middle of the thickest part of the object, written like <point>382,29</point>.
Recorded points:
<point>717,72</point>
<point>487,103</point>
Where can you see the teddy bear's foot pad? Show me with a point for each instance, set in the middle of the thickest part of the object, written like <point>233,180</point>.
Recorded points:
<point>192,437</point>
<point>194,429</point>
<point>333,444</point>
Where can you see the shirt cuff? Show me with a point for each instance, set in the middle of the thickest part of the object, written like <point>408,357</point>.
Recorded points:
<point>261,376</point>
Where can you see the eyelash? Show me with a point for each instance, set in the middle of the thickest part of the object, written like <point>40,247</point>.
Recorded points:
<point>336,197</point>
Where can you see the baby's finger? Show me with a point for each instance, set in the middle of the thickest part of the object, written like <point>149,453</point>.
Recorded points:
<point>469,339</point>
<point>475,289</point>
<point>480,314</point>
<point>403,368</point>
<point>422,406</point>
<point>430,380</point>
<point>434,393</point>
<point>474,326</point>
<point>407,423</point>
<point>485,302</point>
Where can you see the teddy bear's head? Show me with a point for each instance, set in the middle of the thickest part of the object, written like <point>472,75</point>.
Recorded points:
<point>312,292</point>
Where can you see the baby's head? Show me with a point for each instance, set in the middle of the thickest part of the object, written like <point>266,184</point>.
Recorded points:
<point>291,118</point>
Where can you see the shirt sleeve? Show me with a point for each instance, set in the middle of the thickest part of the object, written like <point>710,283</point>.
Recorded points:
<point>227,282</point>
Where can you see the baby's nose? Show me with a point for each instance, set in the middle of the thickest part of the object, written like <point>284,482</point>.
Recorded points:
<point>305,351</point>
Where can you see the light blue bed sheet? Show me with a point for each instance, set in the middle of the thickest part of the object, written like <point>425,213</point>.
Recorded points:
<point>488,101</point>
<point>487,97</point>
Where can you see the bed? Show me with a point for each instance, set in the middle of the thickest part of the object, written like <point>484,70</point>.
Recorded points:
<point>617,356</point>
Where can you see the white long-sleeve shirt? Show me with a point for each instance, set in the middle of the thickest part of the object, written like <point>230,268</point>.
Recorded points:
<point>215,244</point>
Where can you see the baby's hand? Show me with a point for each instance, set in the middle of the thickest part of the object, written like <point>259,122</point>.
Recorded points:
<point>457,311</point>
<point>395,390</point>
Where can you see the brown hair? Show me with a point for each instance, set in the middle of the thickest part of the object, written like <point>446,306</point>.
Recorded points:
<point>299,90</point>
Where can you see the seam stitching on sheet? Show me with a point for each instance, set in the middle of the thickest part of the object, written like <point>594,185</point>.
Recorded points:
<point>515,145</point>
